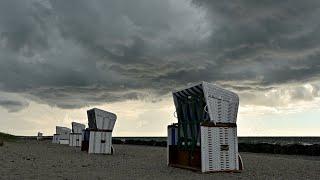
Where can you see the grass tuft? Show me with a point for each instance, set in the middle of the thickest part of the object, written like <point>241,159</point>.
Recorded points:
<point>6,137</point>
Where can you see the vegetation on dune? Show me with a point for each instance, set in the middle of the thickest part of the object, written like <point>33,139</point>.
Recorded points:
<point>6,137</point>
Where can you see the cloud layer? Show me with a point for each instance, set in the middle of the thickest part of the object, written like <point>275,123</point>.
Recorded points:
<point>76,53</point>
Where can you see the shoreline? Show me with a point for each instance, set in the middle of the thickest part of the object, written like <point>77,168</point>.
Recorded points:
<point>27,159</point>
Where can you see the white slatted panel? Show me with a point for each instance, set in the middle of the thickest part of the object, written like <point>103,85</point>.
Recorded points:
<point>204,149</point>
<point>222,104</point>
<point>75,140</point>
<point>100,142</point>
<point>214,158</point>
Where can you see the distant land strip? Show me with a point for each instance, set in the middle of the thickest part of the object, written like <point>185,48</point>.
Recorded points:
<point>274,145</point>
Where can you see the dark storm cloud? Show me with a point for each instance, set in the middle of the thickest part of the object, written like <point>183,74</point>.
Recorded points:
<point>270,39</point>
<point>77,52</point>
<point>13,105</point>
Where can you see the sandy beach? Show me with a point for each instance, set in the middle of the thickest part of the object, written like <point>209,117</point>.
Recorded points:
<point>30,159</point>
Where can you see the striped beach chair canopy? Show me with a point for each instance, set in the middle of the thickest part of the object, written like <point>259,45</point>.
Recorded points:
<point>214,103</point>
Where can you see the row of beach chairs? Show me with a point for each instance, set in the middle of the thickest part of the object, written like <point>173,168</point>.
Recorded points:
<point>96,139</point>
<point>203,139</point>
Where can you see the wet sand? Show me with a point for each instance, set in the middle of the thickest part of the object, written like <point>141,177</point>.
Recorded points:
<point>43,160</point>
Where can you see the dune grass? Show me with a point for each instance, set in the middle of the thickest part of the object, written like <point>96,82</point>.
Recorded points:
<point>6,137</point>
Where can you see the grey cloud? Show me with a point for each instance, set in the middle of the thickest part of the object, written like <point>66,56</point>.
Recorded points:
<point>72,54</point>
<point>73,97</point>
<point>13,105</point>
<point>281,96</point>
<point>23,26</point>
<point>252,37</point>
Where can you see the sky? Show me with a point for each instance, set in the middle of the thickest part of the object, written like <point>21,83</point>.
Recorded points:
<point>60,58</point>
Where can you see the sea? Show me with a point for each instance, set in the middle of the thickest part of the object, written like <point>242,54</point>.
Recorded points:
<point>247,140</point>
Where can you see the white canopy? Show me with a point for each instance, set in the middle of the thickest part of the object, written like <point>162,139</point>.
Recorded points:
<point>63,132</point>
<point>100,119</point>
<point>77,127</point>
<point>220,104</point>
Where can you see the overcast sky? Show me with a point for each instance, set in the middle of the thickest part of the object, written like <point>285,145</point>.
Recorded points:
<point>59,58</point>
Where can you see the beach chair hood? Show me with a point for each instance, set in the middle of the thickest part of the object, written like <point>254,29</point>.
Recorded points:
<point>212,103</point>
<point>100,119</point>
